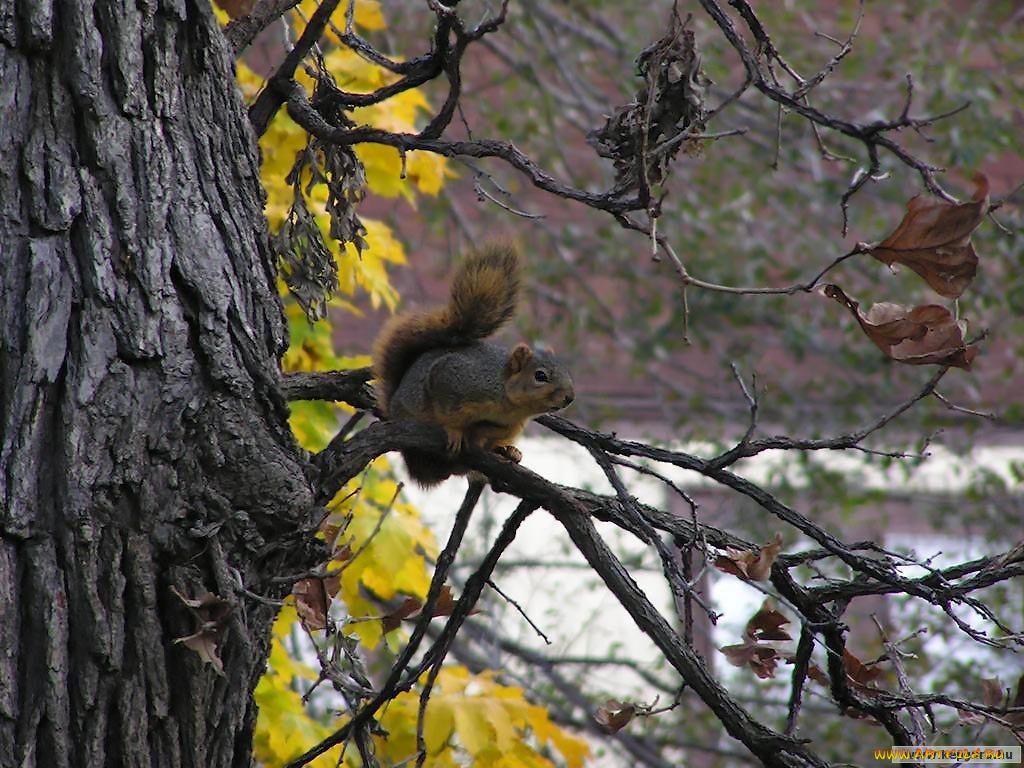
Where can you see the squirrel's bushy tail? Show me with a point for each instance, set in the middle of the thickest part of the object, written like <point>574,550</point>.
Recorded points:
<point>483,298</point>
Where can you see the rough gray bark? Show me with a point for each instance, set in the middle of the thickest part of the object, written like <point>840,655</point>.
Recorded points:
<point>144,443</point>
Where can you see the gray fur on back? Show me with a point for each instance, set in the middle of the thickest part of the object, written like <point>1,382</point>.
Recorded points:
<point>437,375</point>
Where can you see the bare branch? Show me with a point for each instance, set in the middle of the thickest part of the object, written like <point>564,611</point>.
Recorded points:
<point>242,31</point>
<point>270,100</point>
<point>747,448</point>
<point>393,685</point>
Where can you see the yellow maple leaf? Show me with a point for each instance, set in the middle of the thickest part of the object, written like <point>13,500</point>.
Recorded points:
<point>391,545</point>
<point>488,723</point>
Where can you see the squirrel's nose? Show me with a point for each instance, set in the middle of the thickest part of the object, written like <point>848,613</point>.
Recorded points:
<point>568,400</point>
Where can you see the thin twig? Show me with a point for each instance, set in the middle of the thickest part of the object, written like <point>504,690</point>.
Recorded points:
<point>520,610</point>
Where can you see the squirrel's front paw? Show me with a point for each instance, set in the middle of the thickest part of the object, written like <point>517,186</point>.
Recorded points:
<point>510,452</point>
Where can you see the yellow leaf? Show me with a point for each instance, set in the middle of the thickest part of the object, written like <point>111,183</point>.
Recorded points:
<point>428,171</point>
<point>503,723</point>
<point>574,749</point>
<point>522,756</point>
<point>384,170</point>
<point>313,423</point>
<point>438,726</point>
<point>311,347</point>
<point>492,724</point>
<point>391,541</point>
<point>368,15</point>
<point>476,733</point>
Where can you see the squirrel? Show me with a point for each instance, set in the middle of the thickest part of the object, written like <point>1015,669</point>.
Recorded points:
<point>432,367</point>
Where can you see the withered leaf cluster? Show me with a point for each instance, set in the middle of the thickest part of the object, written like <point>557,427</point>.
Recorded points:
<point>642,137</point>
<point>313,600</point>
<point>933,240</point>
<point>210,612</point>
<point>307,265</point>
<point>763,640</point>
<point>748,564</point>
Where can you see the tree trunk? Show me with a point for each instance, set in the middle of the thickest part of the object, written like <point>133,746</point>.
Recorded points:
<point>145,453</point>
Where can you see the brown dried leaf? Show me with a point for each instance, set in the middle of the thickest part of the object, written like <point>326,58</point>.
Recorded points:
<point>991,691</point>
<point>934,240</point>
<point>756,651</point>
<point>614,715</point>
<point>969,718</point>
<point>763,659</point>
<point>445,603</point>
<point>767,624</point>
<point>205,643</point>
<point>924,335</point>
<point>817,674</point>
<point>331,585</point>
<point>311,603</point>
<point>859,673</point>
<point>748,564</point>
<point>732,562</point>
<point>762,565</point>
<point>411,607</point>
<point>741,654</point>
<point>330,531</point>
<point>210,610</point>
<point>764,662</point>
<point>207,605</point>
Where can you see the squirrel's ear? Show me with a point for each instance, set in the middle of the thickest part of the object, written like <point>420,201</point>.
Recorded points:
<point>521,355</point>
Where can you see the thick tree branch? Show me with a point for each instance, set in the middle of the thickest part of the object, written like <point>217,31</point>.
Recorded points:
<point>350,387</point>
<point>242,31</point>
<point>270,100</point>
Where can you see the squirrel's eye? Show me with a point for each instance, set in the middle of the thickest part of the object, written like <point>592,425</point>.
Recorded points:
<point>540,375</point>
